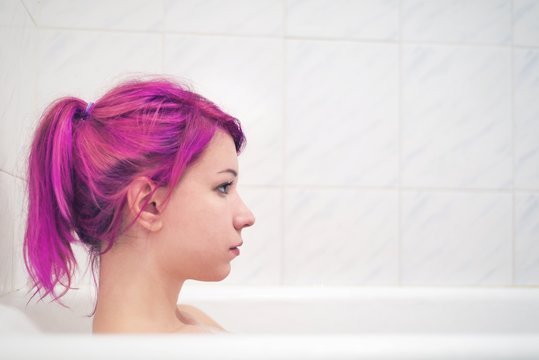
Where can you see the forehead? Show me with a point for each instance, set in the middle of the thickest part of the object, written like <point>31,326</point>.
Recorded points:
<point>219,154</point>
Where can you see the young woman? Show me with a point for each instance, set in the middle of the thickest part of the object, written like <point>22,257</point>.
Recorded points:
<point>146,179</point>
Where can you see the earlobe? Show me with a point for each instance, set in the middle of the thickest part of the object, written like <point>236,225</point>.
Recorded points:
<point>140,191</point>
<point>150,217</point>
<point>154,225</point>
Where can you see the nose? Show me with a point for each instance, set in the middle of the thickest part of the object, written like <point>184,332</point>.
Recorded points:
<point>244,217</point>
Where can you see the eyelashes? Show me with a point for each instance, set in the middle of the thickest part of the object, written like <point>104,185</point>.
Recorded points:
<point>225,187</point>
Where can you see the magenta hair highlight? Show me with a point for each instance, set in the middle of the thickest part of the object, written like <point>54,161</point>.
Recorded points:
<point>80,166</point>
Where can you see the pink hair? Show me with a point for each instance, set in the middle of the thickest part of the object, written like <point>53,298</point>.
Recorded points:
<point>80,166</point>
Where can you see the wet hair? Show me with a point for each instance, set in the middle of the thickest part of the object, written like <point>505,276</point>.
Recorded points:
<point>84,156</point>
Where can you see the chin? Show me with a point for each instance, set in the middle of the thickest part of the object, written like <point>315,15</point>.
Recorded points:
<point>217,275</point>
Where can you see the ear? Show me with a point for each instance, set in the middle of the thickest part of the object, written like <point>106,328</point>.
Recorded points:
<point>139,192</point>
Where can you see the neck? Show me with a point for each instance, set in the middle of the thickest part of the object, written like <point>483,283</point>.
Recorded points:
<point>133,296</point>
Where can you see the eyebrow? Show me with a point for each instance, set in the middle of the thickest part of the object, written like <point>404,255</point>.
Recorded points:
<point>233,172</point>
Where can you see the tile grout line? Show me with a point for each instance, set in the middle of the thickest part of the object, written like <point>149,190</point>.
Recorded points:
<point>286,37</point>
<point>390,188</point>
<point>28,13</point>
<point>399,174</point>
<point>513,154</point>
<point>12,175</point>
<point>283,145</point>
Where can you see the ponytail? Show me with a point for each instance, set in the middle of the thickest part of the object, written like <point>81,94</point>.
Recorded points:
<point>49,232</point>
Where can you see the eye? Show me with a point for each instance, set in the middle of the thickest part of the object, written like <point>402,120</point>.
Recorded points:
<point>224,188</point>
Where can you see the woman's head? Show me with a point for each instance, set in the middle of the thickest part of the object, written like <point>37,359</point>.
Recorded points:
<point>192,238</point>
<point>84,168</point>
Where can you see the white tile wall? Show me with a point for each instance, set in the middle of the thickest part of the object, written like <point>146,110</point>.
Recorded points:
<point>525,23</point>
<point>6,221</point>
<point>17,92</point>
<point>456,116</point>
<point>527,238</point>
<point>18,211</point>
<point>13,14</point>
<point>234,17</point>
<point>17,99</point>
<point>456,238</point>
<point>342,104</point>
<point>457,21</point>
<point>136,15</point>
<point>340,237</point>
<point>390,142</point>
<point>526,116</point>
<point>12,215</point>
<point>343,19</point>
<point>86,63</point>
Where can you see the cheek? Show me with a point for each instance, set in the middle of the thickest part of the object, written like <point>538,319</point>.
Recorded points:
<point>195,245</point>
<point>196,223</point>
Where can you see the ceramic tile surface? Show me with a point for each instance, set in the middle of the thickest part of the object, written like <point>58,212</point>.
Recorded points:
<point>140,15</point>
<point>462,21</point>
<point>456,117</point>
<point>86,63</point>
<point>343,19</point>
<point>342,113</point>
<point>12,221</point>
<point>340,237</point>
<point>456,238</point>
<point>17,95</point>
<point>236,17</point>
<point>527,238</point>
<point>526,22</point>
<point>526,112</point>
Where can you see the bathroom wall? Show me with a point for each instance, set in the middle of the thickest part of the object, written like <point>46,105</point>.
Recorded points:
<point>18,34</point>
<point>391,143</point>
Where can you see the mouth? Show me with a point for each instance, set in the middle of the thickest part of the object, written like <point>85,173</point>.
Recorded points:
<point>235,249</point>
<point>236,245</point>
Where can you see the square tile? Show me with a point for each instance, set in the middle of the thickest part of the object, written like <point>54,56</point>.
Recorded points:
<point>456,117</point>
<point>340,237</point>
<point>341,113</point>
<point>456,238</point>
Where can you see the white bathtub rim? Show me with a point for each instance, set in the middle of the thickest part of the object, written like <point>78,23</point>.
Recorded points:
<point>220,292</point>
<point>418,346</point>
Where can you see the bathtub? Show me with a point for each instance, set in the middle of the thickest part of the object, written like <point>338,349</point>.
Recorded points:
<point>295,323</point>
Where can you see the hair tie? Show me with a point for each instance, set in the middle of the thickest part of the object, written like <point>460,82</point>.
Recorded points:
<point>89,108</point>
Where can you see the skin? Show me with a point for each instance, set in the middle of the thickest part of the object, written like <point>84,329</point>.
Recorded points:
<point>187,238</point>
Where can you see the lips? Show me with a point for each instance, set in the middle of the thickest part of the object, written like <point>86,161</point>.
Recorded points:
<point>236,246</point>
<point>235,249</point>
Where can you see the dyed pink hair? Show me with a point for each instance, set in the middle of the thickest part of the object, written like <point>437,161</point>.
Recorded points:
<point>81,164</point>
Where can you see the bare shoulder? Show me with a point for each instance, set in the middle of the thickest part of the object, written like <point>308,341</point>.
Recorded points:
<point>198,315</point>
